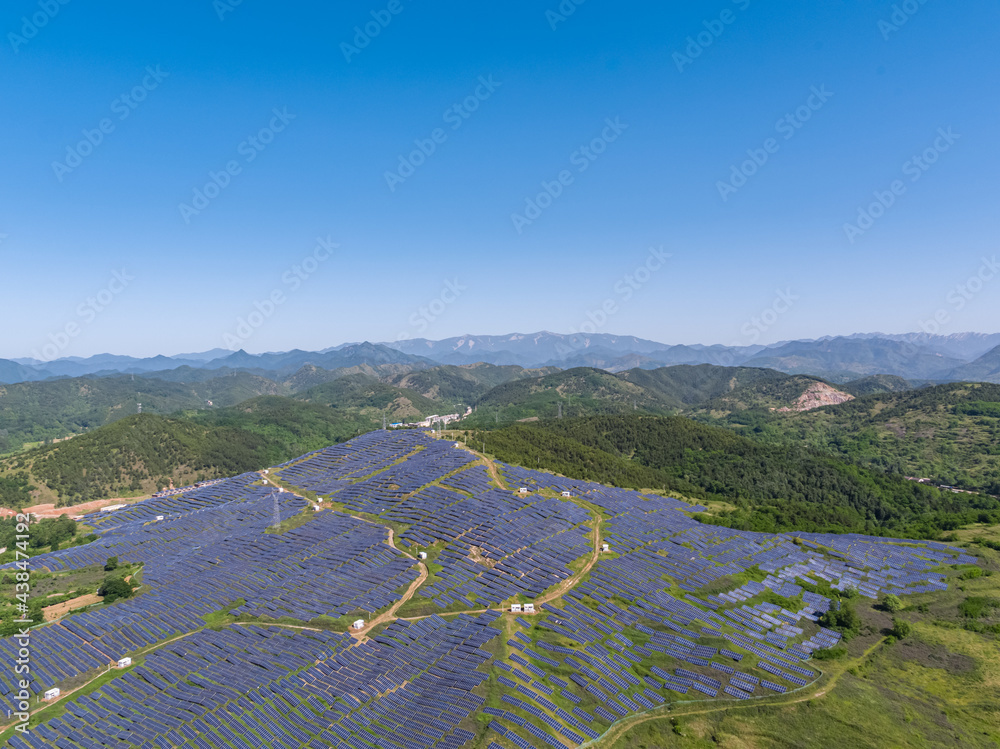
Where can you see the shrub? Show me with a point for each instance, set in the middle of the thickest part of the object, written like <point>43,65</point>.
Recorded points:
<point>892,603</point>
<point>977,606</point>
<point>111,564</point>
<point>844,620</point>
<point>830,654</point>
<point>114,588</point>
<point>900,629</point>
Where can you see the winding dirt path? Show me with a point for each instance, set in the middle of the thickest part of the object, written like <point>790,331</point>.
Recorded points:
<point>492,469</point>
<point>361,635</point>
<point>571,582</point>
<point>803,694</point>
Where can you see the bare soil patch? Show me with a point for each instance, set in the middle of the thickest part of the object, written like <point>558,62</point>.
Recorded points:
<point>51,511</point>
<point>476,556</point>
<point>57,611</point>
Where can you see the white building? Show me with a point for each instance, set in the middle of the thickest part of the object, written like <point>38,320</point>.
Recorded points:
<point>605,547</point>
<point>124,662</point>
<point>523,490</point>
<point>422,554</point>
<point>51,694</point>
<point>529,608</point>
<point>515,608</point>
<point>359,624</point>
<point>159,517</point>
<point>567,494</point>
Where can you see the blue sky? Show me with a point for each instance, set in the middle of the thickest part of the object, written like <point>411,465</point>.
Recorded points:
<point>451,244</point>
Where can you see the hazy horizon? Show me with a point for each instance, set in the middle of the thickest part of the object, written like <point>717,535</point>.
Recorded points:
<point>223,352</point>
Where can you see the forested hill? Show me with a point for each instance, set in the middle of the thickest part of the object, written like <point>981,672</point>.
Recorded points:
<point>773,487</point>
<point>947,433</point>
<point>141,453</point>
<point>584,391</point>
<point>37,411</point>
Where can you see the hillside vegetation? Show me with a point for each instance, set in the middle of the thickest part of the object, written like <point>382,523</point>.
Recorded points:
<point>948,433</point>
<point>465,383</point>
<point>142,453</point>
<point>681,389</point>
<point>369,395</point>
<point>33,412</point>
<point>772,487</point>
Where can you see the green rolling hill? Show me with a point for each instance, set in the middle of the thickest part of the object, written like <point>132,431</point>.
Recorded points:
<point>139,454</point>
<point>766,487</point>
<point>947,433</point>
<point>33,412</point>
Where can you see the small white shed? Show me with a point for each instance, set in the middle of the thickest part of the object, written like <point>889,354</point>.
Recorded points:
<point>567,494</point>
<point>159,517</point>
<point>51,694</point>
<point>124,662</point>
<point>422,554</point>
<point>359,624</point>
<point>529,608</point>
<point>605,547</point>
<point>523,490</point>
<point>515,608</point>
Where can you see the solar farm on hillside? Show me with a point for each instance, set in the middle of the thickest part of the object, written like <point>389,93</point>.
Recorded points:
<point>241,634</point>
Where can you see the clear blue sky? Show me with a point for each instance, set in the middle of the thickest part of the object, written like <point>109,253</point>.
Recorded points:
<point>684,122</point>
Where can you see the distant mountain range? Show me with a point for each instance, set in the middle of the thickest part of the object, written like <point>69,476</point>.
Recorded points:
<point>915,357</point>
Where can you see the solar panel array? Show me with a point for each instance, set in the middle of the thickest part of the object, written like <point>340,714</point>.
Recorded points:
<point>252,686</point>
<point>208,559</point>
<point>653,621</point>
<point>666,642</point>
<point>498,544</point>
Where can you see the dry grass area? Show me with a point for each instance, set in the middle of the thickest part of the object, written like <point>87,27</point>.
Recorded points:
<point>476,556</point>
<point>59,610</point>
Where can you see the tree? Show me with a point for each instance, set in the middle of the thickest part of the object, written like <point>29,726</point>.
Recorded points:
<point>892,603</point>
<point>829,654</point>
<point>900,629</point>
<point>111,564</point>
<point>844,620</point>
<point>114,588</point>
